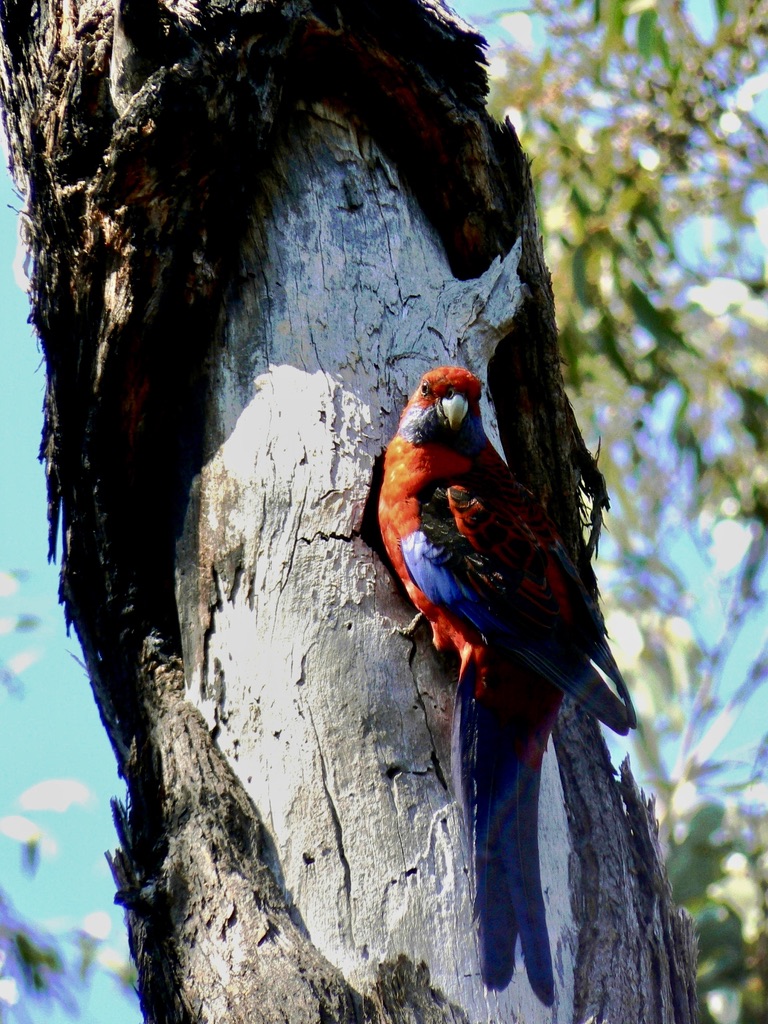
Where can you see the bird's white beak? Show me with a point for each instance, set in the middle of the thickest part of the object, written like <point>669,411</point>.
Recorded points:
<point>454,409</point>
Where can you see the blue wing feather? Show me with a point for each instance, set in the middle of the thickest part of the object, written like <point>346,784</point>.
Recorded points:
<point>599,651</point>
<point>441,572</point>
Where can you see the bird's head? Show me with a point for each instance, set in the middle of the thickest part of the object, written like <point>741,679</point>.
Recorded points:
<point>445,409</point>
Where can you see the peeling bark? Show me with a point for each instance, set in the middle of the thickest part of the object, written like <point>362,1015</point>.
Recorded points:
<point>253,226</point>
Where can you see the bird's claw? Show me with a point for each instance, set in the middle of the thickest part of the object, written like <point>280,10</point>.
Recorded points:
<point>409,630</point>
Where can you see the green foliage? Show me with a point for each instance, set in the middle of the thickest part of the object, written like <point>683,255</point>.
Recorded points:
<point>649,148</point>
<point>30,963</point>
<point>649,163</point>
<point>38,966</point>
<point>35,965</point>
<point>719,871</point>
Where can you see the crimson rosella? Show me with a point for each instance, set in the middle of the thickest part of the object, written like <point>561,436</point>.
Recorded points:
<point>484,563</point>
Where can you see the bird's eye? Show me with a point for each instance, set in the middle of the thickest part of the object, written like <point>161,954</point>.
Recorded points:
<point>425,388</point>
<point>450,393</point>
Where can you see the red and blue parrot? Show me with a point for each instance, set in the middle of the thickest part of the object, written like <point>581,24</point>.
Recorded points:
<point>484,563</point>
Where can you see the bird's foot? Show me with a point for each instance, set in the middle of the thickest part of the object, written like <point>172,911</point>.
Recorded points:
<point>412,626</point>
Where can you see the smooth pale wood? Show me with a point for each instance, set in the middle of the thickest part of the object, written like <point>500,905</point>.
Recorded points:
<point>295,643</point>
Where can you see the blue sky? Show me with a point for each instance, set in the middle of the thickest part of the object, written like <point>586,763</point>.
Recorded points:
<point>50,729</point>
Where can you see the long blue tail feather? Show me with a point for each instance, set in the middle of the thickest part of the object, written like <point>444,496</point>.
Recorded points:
<point>499,797</point>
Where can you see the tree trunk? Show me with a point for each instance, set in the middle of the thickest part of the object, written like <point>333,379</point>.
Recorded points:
<point>253,227</point>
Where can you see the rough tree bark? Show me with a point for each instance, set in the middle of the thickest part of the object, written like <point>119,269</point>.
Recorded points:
<point>253,225</point>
